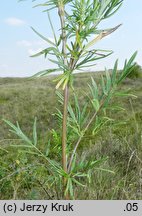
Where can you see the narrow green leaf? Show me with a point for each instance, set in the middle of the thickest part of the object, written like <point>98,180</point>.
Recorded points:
<point>108,81</point>
<point>18,132</point>
<point>44,38</point>
<point>22,146</point>
<point>77,182</point>
<point>35,132</point>
<point>114,71</point>
<point>128,66</point>
<point>106,170</point>
<point>73,163</point>
<point>52,28</point>
<point>32,153</point>
<point>10,124</point>
<point>96,104</point>
<point>46,72</point>
<point>103,85</point>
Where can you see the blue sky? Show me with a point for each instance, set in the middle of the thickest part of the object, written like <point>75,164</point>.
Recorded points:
<point>18,41</point>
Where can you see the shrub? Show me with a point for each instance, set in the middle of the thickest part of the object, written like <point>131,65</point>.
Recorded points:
<point>136,72</point>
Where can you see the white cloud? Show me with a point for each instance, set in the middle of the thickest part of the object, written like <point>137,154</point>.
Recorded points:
<point>24,43</point>
<point>39,43</point>
<point>4,66</point>
<point>14,21</point>
<point>32,47</point>
<point>34,51</point>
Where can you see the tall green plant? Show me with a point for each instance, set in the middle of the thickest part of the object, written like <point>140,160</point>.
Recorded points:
<point>75,49</point>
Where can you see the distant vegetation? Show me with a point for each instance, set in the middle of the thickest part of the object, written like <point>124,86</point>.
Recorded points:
<point>23,176</point>
<point>136,72</point>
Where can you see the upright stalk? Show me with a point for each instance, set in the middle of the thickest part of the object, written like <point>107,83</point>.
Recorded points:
<point>61,13</point>
<point>64,138</point>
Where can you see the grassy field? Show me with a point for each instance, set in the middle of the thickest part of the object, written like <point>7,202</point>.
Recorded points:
<point>24,176</point>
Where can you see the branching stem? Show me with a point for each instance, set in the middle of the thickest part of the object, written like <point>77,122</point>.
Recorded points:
<point>61,13</point>
<point>84,131</point>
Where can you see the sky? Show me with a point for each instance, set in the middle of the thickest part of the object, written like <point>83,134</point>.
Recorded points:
<point>18,41</point>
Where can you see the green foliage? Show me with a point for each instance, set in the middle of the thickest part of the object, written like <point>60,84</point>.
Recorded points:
<point>136,72</point>
<point>117,140</point>
<point>54,167</point>
<point>73,49</point>
<point>76,121</point>
<point>99,97</point>
<point>17,130</point>
<point>77,116</point>
<point>79,24</point>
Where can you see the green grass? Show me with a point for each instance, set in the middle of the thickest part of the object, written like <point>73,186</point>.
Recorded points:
<point>22,99</point>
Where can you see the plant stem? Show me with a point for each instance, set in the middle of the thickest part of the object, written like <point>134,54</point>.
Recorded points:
<point>64,137</point>
<point>44,189</point>
<point>61,13</point>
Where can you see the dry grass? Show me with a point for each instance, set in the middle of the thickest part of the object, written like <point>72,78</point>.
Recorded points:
<point>23,99</point>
